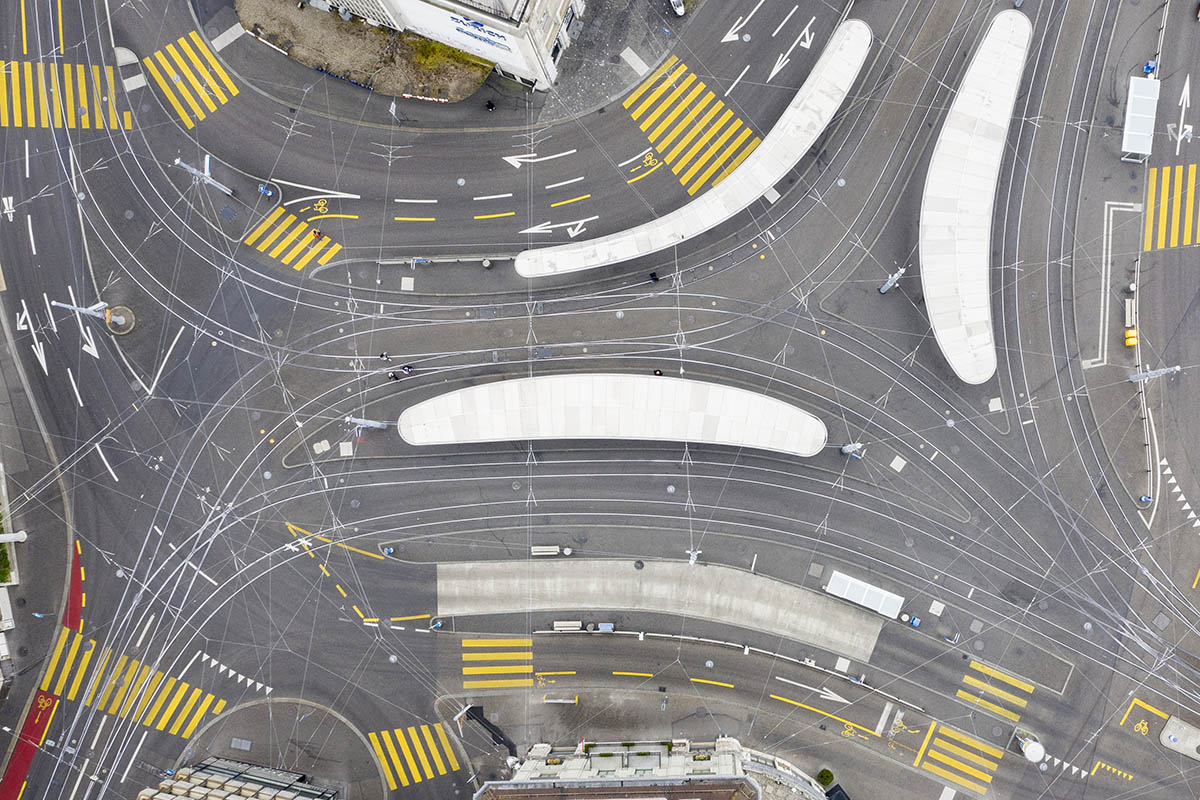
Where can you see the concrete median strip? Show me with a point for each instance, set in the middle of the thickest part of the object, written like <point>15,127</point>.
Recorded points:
<point>709,592</point>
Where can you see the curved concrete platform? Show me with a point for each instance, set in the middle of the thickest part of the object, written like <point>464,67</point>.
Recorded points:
<point>709,592</point>
<point>960,193</point>
<point>802,122</point>
<point>612,406</point>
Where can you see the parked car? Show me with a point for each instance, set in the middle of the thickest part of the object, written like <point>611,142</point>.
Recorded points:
<point>677,7</point>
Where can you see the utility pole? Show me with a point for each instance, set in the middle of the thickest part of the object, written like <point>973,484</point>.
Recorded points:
<point>358,422</point>
<point>1154,373</point>
<point>854,449</point>
<point>99,310</point>
<point>206,176</point>
<point>892,280</point>
<point>693,555</point>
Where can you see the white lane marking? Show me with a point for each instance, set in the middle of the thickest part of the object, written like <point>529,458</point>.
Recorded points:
<point>887,709</point>
<point>144,629</point>
<point>785,19</point>
<point>198,570</point>
<point>736,80</point>
<point>161,366</point>
<point>50,313</point>
<point>106,464</point>
<point>32,243</point>
<point>825,693</point>
<point>39,350</point>
<point>26,158</point>
<point>534,158</point>
<point>228,37</point>
<point>947,793</point>
<point>99,727</point>
<point>493,196</point>
<point>82,772</point>
<point>632,59</point>
<point>133,757</point>
<point>157,529</point>
<point>565,183</point>
<point>75,386</point>
<point>411,200</point>
<point>323,192</point>
<point>189,664</point>
<point>638,157</point>
<point>134,82</point>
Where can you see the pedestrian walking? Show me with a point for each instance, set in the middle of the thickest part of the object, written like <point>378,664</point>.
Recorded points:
<point>316,233</point>
<point>490,106</point>
<point>658,372</point>
<point>385,356</point>
<point>392,376</point>
<point>407,369</point>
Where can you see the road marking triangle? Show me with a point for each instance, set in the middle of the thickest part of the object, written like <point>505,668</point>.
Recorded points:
<point>1162,463</point>
<point>1167,471</point>
<point>1172,482</point>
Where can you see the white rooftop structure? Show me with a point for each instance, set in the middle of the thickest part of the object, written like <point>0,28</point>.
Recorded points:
<point>612,406</point>
<point>960,193</point>
<point>802,122</point>
<point>1141,107</point>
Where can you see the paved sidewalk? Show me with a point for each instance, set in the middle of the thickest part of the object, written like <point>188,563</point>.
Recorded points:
<point>592,72</point>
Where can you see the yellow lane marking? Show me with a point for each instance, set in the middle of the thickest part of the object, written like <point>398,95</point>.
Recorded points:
<point>408,756</point>
<point>498,684</point>
<point>331,216</point>
<point>415,219</point>
<point>414,616</point>
<point>446,747</point>
<point>924,744</point>
<point>636,674</point>
<point>16,91</point>
<point>416,742</point>
<point>81,94</point>
<point>158,702</point>
<point>1002,676</point>
<point>497,642</point>
<point>1165,174</point>
<point>383,762</point>
<point>62,46</point>
<point>494,216</point>
<point>1175,206</point>
<point>516,655</point>
<point>391,748</point>
<point>110,82</point>
<point>341,591</point>
<point>650,80</point>
<point>4,92</point>
<point>561,672</point>
<point>30,99</point>
<point>568,202</point>
<point>297,530</point>
<point>43,106</point>
<point>826,714</point>
<point>712,683</point>
<point>58,648</point>
<point>971,680</point>
<point>983,747</point>
<point>1150,194</point>
<point>219,707</point>
<point>1107,767</point>
<point>501,669</point>
<point>24,36</point>
<point>937,755</point>
<point>989,705</point>
<point>950,776</point>
<point>76,640</point>
<point>1140,704</point>
<point>73,692</point>
<point>46,730</point>
<point>199,715</point>
<point>433,751</point>
<point>1197,579</point>
<point>648,172</point>
<point>668,102</point>
<point>962,752</point>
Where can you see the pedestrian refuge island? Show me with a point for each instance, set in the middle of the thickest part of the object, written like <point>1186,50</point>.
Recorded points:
<point>960,191</point>
<point>805,118</point>
<point>613,406</point>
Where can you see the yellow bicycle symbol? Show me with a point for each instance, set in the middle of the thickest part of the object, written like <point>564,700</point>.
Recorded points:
<point>649,160</point>
<point>1142,727</point>
<point>848,731</point>
<point>321,206</point>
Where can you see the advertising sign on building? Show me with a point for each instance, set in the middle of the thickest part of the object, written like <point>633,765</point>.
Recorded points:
<point>461,31</point>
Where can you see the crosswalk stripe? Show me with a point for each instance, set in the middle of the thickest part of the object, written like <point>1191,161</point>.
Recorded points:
<point>502,669</point>
<point>169,711</point>
<point>56,92</point>
<point>275,232</point>
<point>43,104</point>
<point>111,684</point>
<point>199,715</point>
<point>297,229</point>
<point>650,81</point>
<point>668,102</point>
<point>158,702</point>
<point>383,762</point>
<point>177,82</point>
<point>498,684</point>
<point>667,83</point>
<point>265,225</point>
<point>950,776</point>
<point>167,92</point>
<point>416,742</point>
<point>962,752</point>
<point>58,648</point>
<point>983,747</point>
<point>123,684</point>
<point>305,241</point>
<point>212,62</point>
<point>97,96</point>
<point>4,93</point>
<point>173,51</point>
<point>447,748</point>
<point>203,70</point>
<point>133,691</point>
<point>717,160</point>
<point>391,748</point>
<point>149,693</point>
<point>1165,175</point>
<point>69,81</point>
<point>497,642</point>
<point>15,83</point>
<point>30,113</point>
<point>81,96</point>
<point>1175,205</point>
<point>181,717</point>
<point>218,708</point>
<point>682,106</point>
<point>685,124</point>
<point>1011,680</point>
<point>81,670</point>
<point>989,705</point>
<point>408,756</point>
<point>937,755</point>
<point>737,162</point>
<point>970,680</point>
<point>111,84</point>
<point>693,132</point>
<point>433,750</point>
<point>514,655</point>
<point>709,132</point>
<point>1150,193</point>
<point>98,678</point>
<point>1191,205</point>
<point>329,254</point>
<point>312,252</point>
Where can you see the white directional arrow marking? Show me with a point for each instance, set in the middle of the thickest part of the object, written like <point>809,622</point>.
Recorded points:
<point>732,35</point>
<point>805,40</point>
<point>573,228</point>
<point>89,345</point>
<point>23,318</point>
<point>533,158</point>
<point>826,694</point>
<point>1185,100</point>
<point>39,350</point>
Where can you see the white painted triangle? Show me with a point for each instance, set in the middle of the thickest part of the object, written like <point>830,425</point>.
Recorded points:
<point>269,690</point>
<point>1162,463</point>
<point>258,686</point>
<point>1196,524</point>
<point>1186,506</point>
<point>1057,761</point>
<point>1191,515</point>
<point>204,658</point>
<point>1167,471</point>
<point>1176,490</point>
<point>1075,769</point>
<point>241,678</point>
<point>222,670</point>
<point>1172,482</point>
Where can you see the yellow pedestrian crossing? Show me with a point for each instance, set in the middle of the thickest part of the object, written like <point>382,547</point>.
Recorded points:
<point>496,650</point>
<point>291,240</point>
<point>191,79</point>
<point>1003,701</point>
<point>120,684</point>
<point>962,760</point>
<point>414,754</point>
<point>1170,210</point>
<point>693,131</point>
<point>35,94</point>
